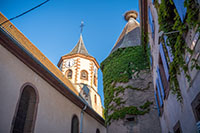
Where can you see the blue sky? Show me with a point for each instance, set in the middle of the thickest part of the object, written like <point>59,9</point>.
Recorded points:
<point>55,27</point>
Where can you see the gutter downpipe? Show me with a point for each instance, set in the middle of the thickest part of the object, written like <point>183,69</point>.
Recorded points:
<point>81,122</point>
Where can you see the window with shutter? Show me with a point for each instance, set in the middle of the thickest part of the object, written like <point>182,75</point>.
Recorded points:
<point>151,22</point>
<point>159,94</point>
<point>163,82</point>
<point>164,61</point>
<point>157,104</point>
<point>160,83</point>
<point>150,57</point>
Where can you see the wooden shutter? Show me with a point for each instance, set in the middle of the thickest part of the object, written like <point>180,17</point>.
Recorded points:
<point>159,94</point>
<point>158,108</point>
<point>164,62</point>
<point>160,83</point>
<point>151,22</point>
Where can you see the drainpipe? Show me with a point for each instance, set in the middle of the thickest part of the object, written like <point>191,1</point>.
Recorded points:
<point>81,123</point>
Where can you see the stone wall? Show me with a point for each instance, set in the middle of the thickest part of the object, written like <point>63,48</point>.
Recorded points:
<point>128,90</point>
<point>139,91</point>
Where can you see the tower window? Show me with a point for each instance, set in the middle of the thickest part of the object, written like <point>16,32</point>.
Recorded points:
<point>26,110</point>
<point>75,124</point>
<point>95,99</point>
<point>84,75</point>
<point>69,74</point>
<point>95,80</point>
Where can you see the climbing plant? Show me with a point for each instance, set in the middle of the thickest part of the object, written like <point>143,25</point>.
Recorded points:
<point>118,67</point>
<point>169,20</point>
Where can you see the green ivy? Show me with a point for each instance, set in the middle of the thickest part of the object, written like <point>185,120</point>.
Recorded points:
<point>139,89</point>
<point>193,21</point>
<point>131,110</point>
<point>146,105</point>
<point>169,20</point>
<point>118,67</point>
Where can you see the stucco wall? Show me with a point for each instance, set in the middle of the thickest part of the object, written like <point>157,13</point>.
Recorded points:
<point>54,112</point>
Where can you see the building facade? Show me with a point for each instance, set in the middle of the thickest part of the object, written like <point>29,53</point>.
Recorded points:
<point>172,29</point>
<point>35,96</point>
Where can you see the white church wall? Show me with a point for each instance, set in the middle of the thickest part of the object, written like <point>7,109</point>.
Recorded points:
<point>87,123</point>
<point>54,112</point>
<point>98,105</point>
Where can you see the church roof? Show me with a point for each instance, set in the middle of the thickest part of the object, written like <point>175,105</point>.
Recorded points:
<point>20,46</point>
<point>130,35</point>
<point>79,48</point>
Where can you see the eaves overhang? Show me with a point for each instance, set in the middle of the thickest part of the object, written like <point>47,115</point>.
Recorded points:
<point>8,41</point>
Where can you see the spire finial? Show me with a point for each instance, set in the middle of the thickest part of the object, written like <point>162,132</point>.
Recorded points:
<point>130,14</point>
<point>82,24</point>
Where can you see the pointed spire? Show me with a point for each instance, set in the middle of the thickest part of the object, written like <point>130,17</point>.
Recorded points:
<point>80,47</point>
<point>130,35</point>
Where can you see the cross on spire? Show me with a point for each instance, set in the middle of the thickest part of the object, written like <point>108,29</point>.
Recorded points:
<point>82,24</point>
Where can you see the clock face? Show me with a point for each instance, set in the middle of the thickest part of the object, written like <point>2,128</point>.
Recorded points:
<point>69,63</point>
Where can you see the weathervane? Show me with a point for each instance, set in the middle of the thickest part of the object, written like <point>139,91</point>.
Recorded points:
<point>82,24</point>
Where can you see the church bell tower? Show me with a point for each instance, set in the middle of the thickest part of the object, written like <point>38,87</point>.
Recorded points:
<point>82,70</point>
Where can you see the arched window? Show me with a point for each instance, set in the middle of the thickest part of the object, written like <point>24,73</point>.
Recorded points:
<point>69,74</point>
<point>24,120</point>
<point>95,99</point>
<point>95,80</point>
<point>97,131</point>
<point>84,75</point>
<point>75,124</point>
